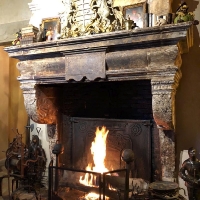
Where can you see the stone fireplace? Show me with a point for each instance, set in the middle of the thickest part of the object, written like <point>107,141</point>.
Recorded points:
<point>126,77</point>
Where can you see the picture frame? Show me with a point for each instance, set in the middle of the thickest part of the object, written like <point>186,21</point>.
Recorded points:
<point>51,28</point>
<point>137,13</point>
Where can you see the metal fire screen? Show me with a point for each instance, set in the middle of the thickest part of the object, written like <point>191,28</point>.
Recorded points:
<point>61,179</point>
<point>78,134</point>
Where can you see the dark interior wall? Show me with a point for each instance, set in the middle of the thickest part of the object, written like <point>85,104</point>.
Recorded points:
<point>114,100</point>
<point>188,95</point>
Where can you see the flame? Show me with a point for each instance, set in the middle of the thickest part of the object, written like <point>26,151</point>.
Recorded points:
<point>93,196</point>
<point>98,150</point>
<point>89,179</point>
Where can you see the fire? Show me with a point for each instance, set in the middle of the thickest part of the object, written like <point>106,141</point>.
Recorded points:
<point>93,196</point>
<point>98,150</point>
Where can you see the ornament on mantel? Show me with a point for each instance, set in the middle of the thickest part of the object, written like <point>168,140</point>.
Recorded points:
<point>182,14</point>
<point>99,17</point>
<point>18,38</point>
<point>161,21</point>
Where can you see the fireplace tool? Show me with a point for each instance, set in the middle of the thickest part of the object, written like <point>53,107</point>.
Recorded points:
<point>57,150</point>
<point>128,157</point>
<point>137,188</point>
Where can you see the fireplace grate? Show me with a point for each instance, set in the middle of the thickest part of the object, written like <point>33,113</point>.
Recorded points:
<point>102,186</point>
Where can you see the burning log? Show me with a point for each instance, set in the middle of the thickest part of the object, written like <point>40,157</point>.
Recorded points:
<point>113,184</point>
<point>71,180</point>
<point>119,183</point>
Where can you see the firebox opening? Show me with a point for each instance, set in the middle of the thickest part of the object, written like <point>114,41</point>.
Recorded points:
<point>114,100</point>
<point>123,107</point>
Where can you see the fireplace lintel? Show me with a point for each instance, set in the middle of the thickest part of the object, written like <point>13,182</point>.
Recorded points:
<point>149,53</point>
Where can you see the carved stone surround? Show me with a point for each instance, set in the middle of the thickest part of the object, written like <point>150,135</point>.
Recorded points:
<point>142,54</point>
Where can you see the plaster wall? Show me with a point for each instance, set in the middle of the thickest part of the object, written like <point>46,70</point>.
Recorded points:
<point>18,118</point>
<point>188,95</point>
<point>4,102</point>
<point>14,11</point>
<point>12,114</point>
<point>14,15</point>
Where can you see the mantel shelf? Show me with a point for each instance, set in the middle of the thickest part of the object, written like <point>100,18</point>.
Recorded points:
<point>137,38</point>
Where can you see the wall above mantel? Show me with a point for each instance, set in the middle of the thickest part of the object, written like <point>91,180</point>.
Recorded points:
<point>14,15</point>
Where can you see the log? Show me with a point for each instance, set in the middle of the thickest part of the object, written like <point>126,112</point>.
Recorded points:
<point>117,182</point>
<point>71,179</point>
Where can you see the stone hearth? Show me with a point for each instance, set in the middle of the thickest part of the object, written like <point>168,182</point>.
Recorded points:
<point>143,54</point>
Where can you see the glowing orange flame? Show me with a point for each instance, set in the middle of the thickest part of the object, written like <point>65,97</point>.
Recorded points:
<point>93,196</point>
<point>98,150</point>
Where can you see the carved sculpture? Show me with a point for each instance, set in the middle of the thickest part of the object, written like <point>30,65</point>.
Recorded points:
<point>102,17</point>
<point>182,14</point>
<point>161,22</point>
<point>40,107</point>
<point>18,38</point>
<point>25,165</point>
<point>30,164</point>
<point>190,173</point>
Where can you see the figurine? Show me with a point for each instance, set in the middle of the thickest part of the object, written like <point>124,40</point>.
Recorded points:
<point>18,38</point>
<point>49,34</point>
<point>190,173</point>
<point>119,17</point>
<point>129,24</point>
<point>160,21</point>
<point>40,34</point>
<point>101,17</point>
<point>35,149</point>
<point>182,14</point>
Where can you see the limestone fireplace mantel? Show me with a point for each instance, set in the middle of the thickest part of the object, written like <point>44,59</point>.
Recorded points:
<point>152,53</point>
<point>149,53</point>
